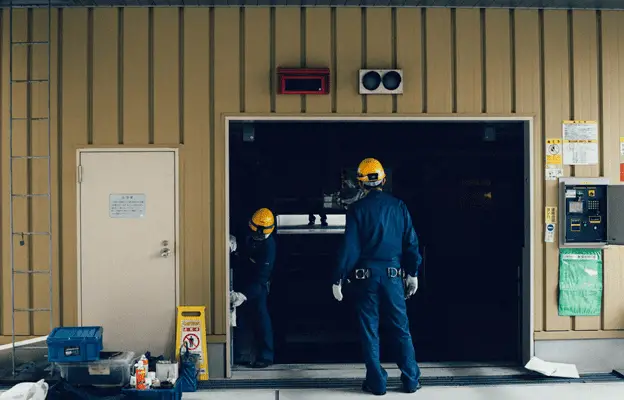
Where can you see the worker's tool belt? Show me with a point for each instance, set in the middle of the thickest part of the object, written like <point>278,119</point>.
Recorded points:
<point>395,273</point>
<point>365,273</point>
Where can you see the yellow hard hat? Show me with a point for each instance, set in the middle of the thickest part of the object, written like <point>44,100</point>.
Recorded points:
<point>262,222</point>
<point>370,172</point>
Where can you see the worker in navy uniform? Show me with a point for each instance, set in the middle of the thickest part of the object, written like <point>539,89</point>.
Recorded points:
<point>252,277</point>
<point>380,258</point>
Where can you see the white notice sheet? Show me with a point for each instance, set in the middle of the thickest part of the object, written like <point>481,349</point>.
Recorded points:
<point>580,143</point>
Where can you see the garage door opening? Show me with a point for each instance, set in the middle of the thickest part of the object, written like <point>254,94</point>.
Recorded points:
<point>466,186</point>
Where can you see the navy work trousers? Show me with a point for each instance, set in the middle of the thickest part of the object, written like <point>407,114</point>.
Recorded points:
<point>254,331</point>
<point>386,295</point>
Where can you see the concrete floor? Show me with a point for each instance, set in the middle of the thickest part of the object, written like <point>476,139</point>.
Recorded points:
<point>572,391</point>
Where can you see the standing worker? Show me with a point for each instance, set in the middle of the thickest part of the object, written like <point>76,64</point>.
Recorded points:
<point>379,239</point>
<point>252,278</point>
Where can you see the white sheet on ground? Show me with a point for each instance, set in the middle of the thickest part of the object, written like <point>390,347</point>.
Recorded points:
<point>547,368</point>
<point>26,391</point>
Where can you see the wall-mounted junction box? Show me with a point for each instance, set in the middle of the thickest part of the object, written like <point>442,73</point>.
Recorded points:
<point>591,213</point>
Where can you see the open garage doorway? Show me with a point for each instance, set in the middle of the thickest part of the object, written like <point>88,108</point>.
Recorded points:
<point>466,184</point>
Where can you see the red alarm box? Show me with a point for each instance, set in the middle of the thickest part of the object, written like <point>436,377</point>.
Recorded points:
<point>303,80</point>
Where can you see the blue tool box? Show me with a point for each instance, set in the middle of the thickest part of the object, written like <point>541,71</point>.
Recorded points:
<point>75,344</point>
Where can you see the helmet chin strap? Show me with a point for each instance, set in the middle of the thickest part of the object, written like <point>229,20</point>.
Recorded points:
<point>260,237</point>
<point>368,188</point>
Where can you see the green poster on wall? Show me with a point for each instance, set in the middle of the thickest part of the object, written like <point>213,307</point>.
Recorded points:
<point>580,282</point>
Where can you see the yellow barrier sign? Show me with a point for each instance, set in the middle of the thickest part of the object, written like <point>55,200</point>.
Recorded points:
<point>191,334</point>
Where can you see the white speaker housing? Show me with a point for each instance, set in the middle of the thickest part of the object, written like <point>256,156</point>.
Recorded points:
<point>380,89</point>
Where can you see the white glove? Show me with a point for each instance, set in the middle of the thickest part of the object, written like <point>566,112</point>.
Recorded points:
<point>233,318</point>
<point>236,299</point>
<point>233,245</point>
<point>411,286</point>
<point>337,291</point>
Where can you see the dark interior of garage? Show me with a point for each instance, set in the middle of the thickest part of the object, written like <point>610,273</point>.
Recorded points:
<point>464,184</point>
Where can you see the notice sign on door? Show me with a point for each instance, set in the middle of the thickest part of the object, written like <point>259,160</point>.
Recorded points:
<point>126,205</point>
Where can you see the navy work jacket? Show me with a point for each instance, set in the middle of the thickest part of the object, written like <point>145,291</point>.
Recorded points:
<point>256,266</point>
<point>379,234</point>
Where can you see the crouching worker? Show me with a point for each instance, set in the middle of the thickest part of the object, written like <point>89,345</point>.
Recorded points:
<point>252,276</point>
<point>379,237</point>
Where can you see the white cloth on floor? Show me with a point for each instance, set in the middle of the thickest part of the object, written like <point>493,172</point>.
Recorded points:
<point>27,391</point>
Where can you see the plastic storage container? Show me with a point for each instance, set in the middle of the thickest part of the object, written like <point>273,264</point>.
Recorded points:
<point>112,369</point>
<point>154,394</point>
<point>75,344</point>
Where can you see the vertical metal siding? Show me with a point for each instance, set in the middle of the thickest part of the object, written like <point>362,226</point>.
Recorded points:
<point>166,76</point>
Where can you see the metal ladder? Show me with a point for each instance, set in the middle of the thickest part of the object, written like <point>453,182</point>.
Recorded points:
<point>25,238</point>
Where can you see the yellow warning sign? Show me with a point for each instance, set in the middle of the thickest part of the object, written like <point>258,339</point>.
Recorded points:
<point>553,151</point>
<point>191,334</point>
<point>551,215</point>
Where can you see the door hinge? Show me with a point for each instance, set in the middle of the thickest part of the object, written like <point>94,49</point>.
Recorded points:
<point>80,174</point>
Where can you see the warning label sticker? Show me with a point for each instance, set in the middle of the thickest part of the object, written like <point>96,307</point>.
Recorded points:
<point>553,151</point>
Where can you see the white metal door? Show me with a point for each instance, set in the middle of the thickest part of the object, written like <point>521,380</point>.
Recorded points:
<point>128,279</point>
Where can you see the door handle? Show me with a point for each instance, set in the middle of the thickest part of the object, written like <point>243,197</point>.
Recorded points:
<point>165,252</point>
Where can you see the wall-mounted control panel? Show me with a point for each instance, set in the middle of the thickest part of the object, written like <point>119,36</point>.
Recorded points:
<point>591,212</point>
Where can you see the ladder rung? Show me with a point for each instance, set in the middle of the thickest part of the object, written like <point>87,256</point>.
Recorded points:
<point>30,233</point>
<point>32,195</point>
<point>29,80</point>
<point>27,43</point>
<point>29,119</point>
<point>31,309</point>
<point>29,157</point>
<point>41,271</point>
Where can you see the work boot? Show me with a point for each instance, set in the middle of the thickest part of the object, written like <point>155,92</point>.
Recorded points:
<point>242,361</point>
<point>324,221</point>
<point>412,389</point>
<point>261,364</point>
<point>366,389</point>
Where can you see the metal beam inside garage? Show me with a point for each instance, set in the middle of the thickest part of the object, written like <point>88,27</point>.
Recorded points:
<point>544,4</point>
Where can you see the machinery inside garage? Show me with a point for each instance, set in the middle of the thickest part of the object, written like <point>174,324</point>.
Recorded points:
<point>458,179</point>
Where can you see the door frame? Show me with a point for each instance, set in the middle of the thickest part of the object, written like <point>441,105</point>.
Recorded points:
<point>527,342</point>
<point>177,248</point>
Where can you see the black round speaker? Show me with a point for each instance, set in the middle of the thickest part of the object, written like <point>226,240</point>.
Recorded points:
<point>391,80</point>
<point>371,80</point>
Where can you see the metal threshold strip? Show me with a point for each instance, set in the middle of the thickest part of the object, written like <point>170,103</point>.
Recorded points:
<point>355,383</point>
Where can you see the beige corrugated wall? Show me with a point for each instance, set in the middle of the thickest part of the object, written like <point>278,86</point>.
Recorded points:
<point>166,76</point>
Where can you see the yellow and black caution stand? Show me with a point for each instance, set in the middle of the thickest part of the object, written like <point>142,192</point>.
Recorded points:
<point>191,333</point>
